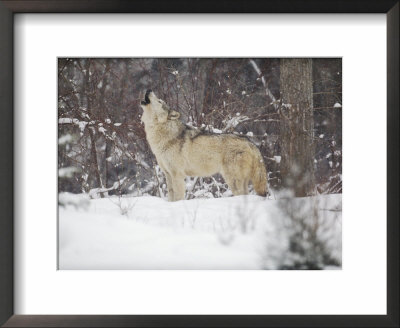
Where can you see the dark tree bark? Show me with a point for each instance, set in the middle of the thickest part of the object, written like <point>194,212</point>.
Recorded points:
<point>297,125</point>
<point>105,114</point>
<point>94,165</point>
<point>209,86</point>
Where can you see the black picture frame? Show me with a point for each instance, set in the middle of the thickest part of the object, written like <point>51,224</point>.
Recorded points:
<point>10,7</point>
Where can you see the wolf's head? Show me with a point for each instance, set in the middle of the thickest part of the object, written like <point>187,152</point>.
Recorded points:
<point>156,110</point>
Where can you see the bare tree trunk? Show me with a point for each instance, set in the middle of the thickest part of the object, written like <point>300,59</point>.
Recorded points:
<point>208,89</point>
<point>94,165</point>
<point>93,160</point>
<point>297,125</point>
<point>105,114</point>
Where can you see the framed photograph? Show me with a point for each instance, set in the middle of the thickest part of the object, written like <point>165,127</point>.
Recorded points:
<point>217,165</point>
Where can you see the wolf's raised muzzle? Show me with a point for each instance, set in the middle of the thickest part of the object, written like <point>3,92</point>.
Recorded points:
<point>146,97</point>
<point>146,100</point>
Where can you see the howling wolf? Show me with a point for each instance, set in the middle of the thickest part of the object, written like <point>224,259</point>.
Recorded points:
<point>183,151</point>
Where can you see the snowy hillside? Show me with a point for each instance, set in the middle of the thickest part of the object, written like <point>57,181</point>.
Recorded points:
<point>243,232</point>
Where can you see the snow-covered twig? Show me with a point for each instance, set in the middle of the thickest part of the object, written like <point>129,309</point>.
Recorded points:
<point>267,90</point>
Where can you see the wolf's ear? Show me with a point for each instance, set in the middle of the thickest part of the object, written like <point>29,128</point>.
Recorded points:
<point>173,115</point>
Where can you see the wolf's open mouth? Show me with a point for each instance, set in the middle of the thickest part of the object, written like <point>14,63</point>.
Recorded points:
<point>146,97</point>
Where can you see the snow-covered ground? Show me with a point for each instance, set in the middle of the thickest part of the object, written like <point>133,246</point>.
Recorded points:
<point>242,232</point>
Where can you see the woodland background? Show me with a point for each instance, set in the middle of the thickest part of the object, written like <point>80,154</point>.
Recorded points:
<point>290,108</point>
<point>113,213</point>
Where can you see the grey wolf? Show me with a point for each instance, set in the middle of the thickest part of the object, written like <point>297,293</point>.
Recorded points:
<point>183,151</point>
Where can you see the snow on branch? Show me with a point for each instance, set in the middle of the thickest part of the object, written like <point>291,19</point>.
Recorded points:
<point>267,90</point>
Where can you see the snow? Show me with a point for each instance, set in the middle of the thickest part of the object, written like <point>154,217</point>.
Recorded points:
<point>64,120</point>
<point>67,138</point>
<point>277,159</point>
<point>337,105</point>
<point>241,232</point>
<point>231,123</point>
<point>82,125</point>
<point>218,131</point>
<point>67,172</point>
<point>77,201</point>
<point>203,194</point>
<point>139,159</point>
<point>97,192</point>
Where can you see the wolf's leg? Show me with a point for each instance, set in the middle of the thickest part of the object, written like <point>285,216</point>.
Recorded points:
<point>179,187</point>
<point>169,182</point>
<point>235,172</point>
<point>241,186</point>
<point>245,187</point>
<point>232,184</point>
<point>169,187</point>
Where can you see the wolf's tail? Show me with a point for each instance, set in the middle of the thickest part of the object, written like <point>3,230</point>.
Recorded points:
<point>259,177</point>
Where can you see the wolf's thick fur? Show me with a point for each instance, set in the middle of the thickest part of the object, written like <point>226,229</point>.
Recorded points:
<point>183,151</point>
